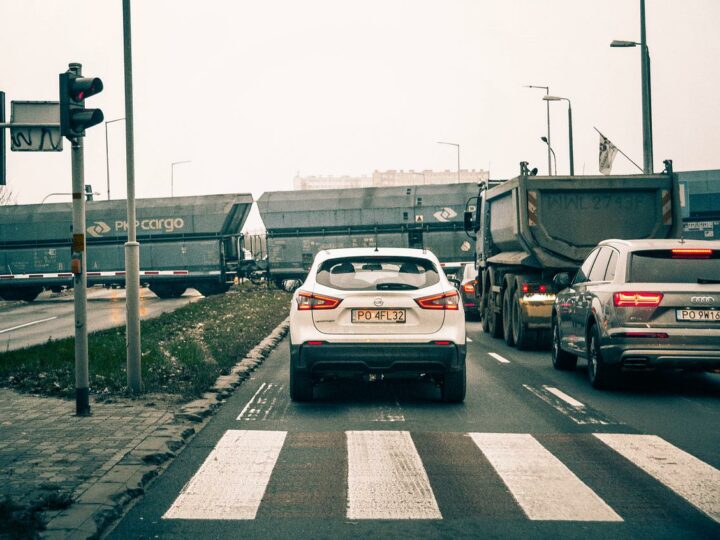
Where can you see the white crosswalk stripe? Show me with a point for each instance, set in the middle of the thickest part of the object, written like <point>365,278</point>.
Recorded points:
<point>544,487</point>
<point>692,479</point>
<point>231,482</point>
<point>387,479</point>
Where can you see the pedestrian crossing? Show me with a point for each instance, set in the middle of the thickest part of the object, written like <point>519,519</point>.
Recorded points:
<point>399,475</point>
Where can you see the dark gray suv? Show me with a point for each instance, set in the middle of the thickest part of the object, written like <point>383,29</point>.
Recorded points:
<point>640,305</point>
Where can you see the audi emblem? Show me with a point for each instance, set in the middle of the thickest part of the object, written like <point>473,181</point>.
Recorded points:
<point>702,300</point>
<point>378,302</point>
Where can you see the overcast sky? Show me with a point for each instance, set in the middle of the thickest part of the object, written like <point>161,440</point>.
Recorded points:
<point>255,92</point>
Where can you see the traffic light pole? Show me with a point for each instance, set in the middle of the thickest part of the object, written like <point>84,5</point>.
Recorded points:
<point>79,260</point>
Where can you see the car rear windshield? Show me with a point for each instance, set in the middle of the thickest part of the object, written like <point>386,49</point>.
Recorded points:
<point>675,266</point>
<point>377,273</point>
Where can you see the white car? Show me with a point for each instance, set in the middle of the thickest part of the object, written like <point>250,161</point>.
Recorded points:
<point>377,313</point>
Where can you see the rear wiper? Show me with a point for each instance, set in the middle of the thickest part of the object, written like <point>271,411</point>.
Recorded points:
<point>395,287</point>
<point>703,280</point>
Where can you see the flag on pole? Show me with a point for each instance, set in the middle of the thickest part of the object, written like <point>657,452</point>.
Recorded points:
<point>607,154</point>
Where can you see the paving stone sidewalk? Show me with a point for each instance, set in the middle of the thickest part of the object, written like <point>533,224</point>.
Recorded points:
<point>105,460</point>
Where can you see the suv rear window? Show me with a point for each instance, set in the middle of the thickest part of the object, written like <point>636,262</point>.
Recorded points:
<point>377,273</point>
<point>667,266</point>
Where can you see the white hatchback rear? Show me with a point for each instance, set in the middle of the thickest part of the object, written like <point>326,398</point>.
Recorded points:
<point>377,313</point>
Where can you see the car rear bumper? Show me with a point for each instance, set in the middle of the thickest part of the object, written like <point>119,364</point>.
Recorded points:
<point>634,358</point>
<point>395,360</point>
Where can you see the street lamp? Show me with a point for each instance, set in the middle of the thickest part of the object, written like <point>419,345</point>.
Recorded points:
<point>570,135</point>
<point>547,93</point>
<point>456,145</point>
<point>172,174</point>
<point>107,159</point>
<point>646,92</point>
<point>545,140</point>
<point>87,192</point>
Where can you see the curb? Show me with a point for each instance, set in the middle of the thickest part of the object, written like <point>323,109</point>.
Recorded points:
<point>105,500</point>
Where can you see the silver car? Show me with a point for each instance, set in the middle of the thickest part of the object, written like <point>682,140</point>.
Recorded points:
<point>640,305</point>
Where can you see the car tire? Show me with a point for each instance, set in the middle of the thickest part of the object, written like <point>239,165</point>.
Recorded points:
<point>522,336</point>
<point>301,385</point>
<point>453,387</point>
<point>507,317</point>
<point>494,320</point>
<point>561,360</point>
<point>482,313</point>
<point>600,374</point>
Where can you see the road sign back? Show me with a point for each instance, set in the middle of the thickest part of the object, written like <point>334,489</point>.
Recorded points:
<point>42,138</point>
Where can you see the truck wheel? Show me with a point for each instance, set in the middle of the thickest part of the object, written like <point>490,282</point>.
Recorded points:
<point>167,290</point>
<point>523,337</point>
<point>453,387</point>
<point>210,289</point>
<point>561,359</point>
<point>507,323</point>
<point>301,385</point>
<point>600,374</point>
<point>26,294</point>
<point>493,319</point>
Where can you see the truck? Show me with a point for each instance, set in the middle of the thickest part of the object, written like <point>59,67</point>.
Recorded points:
<point>184,242</point>
<point>530,228</point>
<point>301,223</point>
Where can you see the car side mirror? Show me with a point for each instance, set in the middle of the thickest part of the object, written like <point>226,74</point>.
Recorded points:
<point>561,281</point>
<point>469,222</point>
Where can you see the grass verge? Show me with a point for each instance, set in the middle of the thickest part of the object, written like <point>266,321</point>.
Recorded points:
<point>183,352</point>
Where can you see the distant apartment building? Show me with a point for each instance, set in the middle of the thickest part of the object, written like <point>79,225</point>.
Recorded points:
<point>391,178</point>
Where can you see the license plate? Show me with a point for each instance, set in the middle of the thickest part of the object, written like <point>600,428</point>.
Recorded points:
<point>378,315</point>
<point>700,315</point>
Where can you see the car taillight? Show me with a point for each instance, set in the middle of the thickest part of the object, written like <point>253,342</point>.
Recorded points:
<point>307,301</point>
<point>448,300</point>
<point>534,288</point>
<point>637,299</point>
<point>469,287</point>
<point>691,253</point>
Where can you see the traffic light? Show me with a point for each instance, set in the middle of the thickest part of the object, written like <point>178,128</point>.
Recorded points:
<point>88,192</point>
<point>74,117</point>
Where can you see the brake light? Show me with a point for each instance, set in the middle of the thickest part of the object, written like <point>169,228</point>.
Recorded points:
<point>637,299</point>
<point>469,287</point>
<point>314,342</point>
<point>525,288</point>
<point>441,342</point>
<point>691,253</point>
<point>308,301</point>
<point>542,289</point>
<point>448,300</point>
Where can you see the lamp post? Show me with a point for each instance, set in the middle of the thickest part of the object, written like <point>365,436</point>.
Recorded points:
<point>172,174</point>
<point>646,91</point>
<point>68,194</point>
<point>107,158</point>
<point>570,133</point>
<point>456,145</point>
<point>547,93</point>
<point>545,140</point>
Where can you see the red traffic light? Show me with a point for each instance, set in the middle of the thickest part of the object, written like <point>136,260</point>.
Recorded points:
<point>74,117</point>
<point>84,87</point>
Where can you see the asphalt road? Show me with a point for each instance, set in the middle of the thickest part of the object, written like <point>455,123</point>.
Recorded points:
<point>51,316</point>
<point>531,453</point>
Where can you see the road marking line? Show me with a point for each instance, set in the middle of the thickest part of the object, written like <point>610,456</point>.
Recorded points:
<point>386,478</point>
<point>499,358</point>
<point>542,485</point>
<point>231,482</point>
<point>580,415</point>
<point>692,479</point>
<point>27,324</point>
<point>250,402</point>
<point>562,395</point>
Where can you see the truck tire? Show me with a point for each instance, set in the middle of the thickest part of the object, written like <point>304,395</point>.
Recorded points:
<point>507,313</point>
<point>168,290</point>
<point>26,294</point>
<point>600,374</point>
<point>210,289</point>
<point>301,385</point>
<point>561,360</point>
<point>523,337</point>
<point>494,319</point>
<point>454,386</point>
